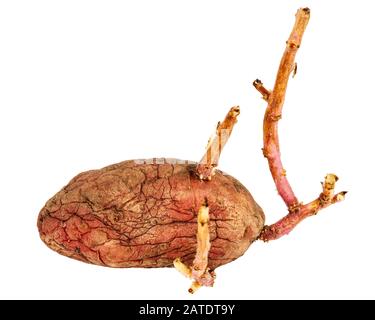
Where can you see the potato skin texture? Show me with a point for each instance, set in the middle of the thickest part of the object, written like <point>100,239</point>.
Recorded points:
<point>144,215</point>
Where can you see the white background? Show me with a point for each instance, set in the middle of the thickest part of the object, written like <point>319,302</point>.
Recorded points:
<point>84,84</point>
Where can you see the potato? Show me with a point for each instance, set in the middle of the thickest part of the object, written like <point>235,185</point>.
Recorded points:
<point>145,215</point>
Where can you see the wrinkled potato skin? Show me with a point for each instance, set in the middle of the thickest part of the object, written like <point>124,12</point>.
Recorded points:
<point>144,215</point>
